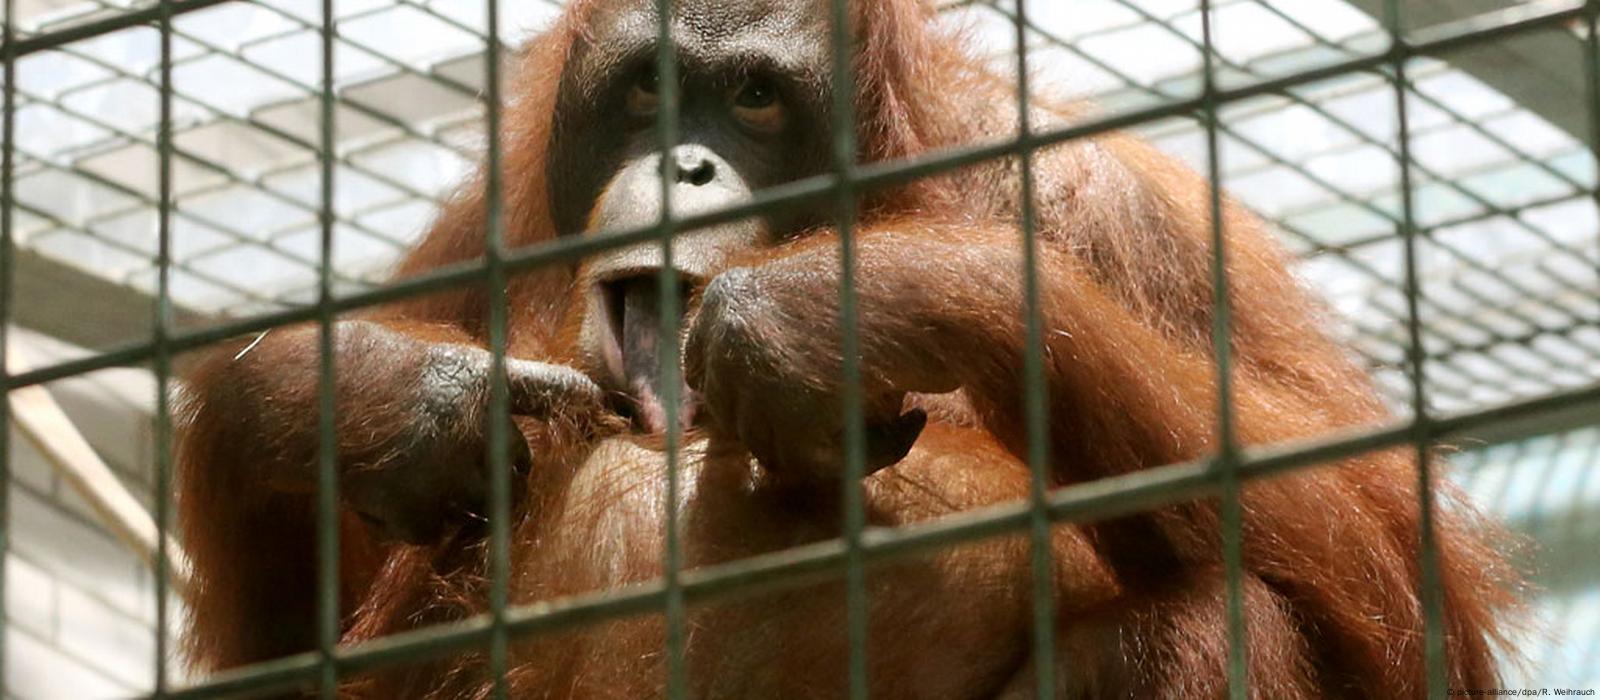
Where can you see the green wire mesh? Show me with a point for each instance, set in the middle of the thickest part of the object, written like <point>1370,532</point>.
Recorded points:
<point>323,192</point>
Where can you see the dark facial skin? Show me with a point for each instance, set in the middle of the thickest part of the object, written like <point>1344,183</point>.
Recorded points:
<point>754,96</point>
<point>729,53</point>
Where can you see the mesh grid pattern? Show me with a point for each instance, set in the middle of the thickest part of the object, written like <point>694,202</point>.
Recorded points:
<point>1502,198</point>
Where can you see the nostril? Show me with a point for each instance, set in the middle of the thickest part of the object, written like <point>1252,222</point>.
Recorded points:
<point>696,171</point>
<point>704,174</point>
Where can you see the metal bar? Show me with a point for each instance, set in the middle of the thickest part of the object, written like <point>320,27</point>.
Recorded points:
<point>329,626</point>
<point>162,434</point>
<point>843,115</point>
<point>1591,75</point>
<point>1421,421</point>
<point>1226,461</point>
<point>499,431</point>
<point>668,126</point>
<point>7,251</point>
<point>1035,402</point>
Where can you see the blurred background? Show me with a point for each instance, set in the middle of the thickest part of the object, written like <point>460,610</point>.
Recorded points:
<point>1503,196</point>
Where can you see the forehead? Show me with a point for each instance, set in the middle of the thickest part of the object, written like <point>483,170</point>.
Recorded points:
<point>792,32</point>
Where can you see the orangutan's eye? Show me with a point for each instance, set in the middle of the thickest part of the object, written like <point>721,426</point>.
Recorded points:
<point>644,96</point>
<point>758,106</point>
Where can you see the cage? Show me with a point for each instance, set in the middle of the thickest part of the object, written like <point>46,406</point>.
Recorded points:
<point>182,172</point>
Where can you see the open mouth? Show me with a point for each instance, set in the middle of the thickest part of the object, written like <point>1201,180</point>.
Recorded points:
<point>634,349</point>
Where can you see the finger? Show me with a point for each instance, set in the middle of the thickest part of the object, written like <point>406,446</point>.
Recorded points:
<point>543,390</point>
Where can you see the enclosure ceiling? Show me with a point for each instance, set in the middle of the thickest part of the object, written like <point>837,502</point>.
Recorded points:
<point>1505,197</point>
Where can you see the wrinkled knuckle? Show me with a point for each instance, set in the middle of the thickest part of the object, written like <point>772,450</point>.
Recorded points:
<point>733,304</point>
<point>456,365</point>
<point>450,378</point>
<point>729,288</point>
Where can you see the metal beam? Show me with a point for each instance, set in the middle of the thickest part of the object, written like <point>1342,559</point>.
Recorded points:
<point>81,308</point>
<point>42,421</point>
<point>1541,71</point>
